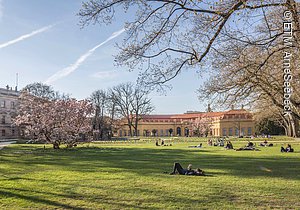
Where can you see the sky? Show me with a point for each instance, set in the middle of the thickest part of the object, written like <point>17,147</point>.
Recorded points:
<point>41,41</point>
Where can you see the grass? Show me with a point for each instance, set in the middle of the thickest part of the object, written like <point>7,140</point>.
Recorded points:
<point>130,176</point>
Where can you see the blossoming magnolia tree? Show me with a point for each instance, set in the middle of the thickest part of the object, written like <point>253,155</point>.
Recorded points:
<point>55,121</point>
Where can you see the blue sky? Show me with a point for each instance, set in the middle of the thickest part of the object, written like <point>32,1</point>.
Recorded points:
<point>42,42</point>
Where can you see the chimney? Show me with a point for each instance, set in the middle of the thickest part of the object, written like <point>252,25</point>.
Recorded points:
<point>232,107</point>
<point>242,106</point>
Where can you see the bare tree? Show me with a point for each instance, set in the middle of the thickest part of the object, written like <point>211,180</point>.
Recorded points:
<point>44,91</point>
<point>141,105</point>
<point>170,35</point>
<point>132,103</point>
<point>251,72</point>
<point>106,118</point>
<point>40,90</point>
<point>202,126</point>
<point>99,99</point>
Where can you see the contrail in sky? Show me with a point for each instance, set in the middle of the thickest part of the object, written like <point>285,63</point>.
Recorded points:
<point>26,36</point>
<point>68,70</point>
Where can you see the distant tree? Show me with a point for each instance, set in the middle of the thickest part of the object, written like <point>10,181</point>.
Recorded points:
<point>268,126</point>
<point>132,103</point>
<point>54,121</point>
<point>266,115</point>
<point>99,100</point>
<point>43,91</point>
<point>201,126</point>
<point>106,119</point>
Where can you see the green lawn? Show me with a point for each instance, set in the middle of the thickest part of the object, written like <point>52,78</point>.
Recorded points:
<point>130,176</point>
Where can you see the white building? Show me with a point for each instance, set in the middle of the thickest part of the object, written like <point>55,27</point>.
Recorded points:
<point>8,109</point>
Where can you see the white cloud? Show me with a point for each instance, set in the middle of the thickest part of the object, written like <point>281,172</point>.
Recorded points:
<point>71,68</point>
<point>26,36</point>
<point>105,75</point>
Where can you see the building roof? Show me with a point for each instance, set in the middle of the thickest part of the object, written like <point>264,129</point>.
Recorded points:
<point>9,91</point>
<point>237,111</point>
<point>194,115</point>
<point>166,116</point>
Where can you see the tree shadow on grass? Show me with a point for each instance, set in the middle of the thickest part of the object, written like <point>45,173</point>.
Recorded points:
<point>93,198</point>
<point>35,199</point>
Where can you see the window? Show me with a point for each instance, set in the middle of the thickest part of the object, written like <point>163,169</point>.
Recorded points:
<point>161,132</point>
<point>2,104</point>
<point>236,131</point>
<point>3,132</point>
<point>230,131</point>
<point>12,105</point>
<point>224,132</point>
<point>249,131</point>
<point>243,132</point>
<point>3,119</point>
<point>13,132</point>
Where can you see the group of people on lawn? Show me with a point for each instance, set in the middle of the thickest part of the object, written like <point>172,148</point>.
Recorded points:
<point>178,169</point>
<point>249,146</point>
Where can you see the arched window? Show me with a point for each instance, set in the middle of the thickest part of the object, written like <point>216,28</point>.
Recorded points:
<point>186,132</point>
<point>178,131</point>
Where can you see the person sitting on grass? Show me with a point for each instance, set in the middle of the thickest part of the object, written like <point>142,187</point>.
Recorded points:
<point>228,145</point>
<point>156,143</point>
<point>287,149</point>
<point>209,142</point>
<point>250,144</point>
<point>177,169</point>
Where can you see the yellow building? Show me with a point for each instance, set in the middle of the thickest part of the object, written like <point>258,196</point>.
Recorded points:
<point>235,122</point>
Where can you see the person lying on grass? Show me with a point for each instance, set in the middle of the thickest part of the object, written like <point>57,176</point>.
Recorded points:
<point>177,169</point>
<point>265,144</point>
<point>197,146</point>
<point>249,146</point>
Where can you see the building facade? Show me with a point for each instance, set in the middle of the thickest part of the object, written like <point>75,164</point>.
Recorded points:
<point>235,122</point>
<point>8,109</point>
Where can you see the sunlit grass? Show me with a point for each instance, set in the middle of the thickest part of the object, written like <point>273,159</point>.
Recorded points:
<point>131,176</point>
